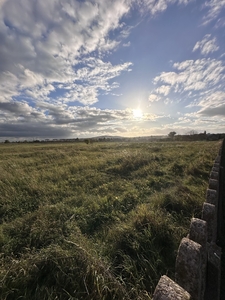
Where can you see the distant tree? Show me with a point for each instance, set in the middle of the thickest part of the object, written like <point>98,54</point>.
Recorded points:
<point>87,141</point>
<point>7,141</point>
<point>172,134</point>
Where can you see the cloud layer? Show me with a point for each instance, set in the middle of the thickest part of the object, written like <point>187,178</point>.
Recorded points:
<point>58,59</point>
<point>46,43</point>
<point>56,46</point>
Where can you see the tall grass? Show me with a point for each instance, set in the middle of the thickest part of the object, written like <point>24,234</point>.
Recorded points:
<point>96,221</point>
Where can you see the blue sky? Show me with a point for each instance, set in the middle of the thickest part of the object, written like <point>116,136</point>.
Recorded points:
<point>123,68</point>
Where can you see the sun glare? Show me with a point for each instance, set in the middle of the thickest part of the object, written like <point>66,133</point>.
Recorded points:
<point>137,113</point>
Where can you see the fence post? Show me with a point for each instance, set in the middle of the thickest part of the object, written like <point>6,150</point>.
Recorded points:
<point>188,270</point>
<point>167,289</point>
<point>209,215</point>
<point>198,234</point>
<point>212,196</point>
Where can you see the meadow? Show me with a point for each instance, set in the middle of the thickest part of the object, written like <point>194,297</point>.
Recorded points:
<point>96,221</point>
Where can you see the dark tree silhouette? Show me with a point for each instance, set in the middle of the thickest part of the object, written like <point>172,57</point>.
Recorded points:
<point>172,134</point>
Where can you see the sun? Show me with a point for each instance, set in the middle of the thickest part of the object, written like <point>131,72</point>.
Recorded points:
<point>137,113</point>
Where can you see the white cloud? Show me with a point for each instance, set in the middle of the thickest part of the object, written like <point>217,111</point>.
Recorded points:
<point>127,44</point>
<point>215,7</point>
<point>193,75</point>
<point>158,6</point>
<point>213,104</point>
<point>95,76</point>
<point>206,45</point>
<point>126,30</point>
<point>154,98</point>
<point>58,46</point>
<point>8,86</point>
<point>43,44</point>
<point>201,83</point>
<point>163,89</point>
<point>39,92</point>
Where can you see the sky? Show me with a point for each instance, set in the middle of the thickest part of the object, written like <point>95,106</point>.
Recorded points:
<point>76,68</point>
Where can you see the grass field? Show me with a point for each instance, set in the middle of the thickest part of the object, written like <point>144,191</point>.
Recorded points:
<point>96,221</point>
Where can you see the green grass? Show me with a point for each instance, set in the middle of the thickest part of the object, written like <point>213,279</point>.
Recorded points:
<point>96,221</point>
